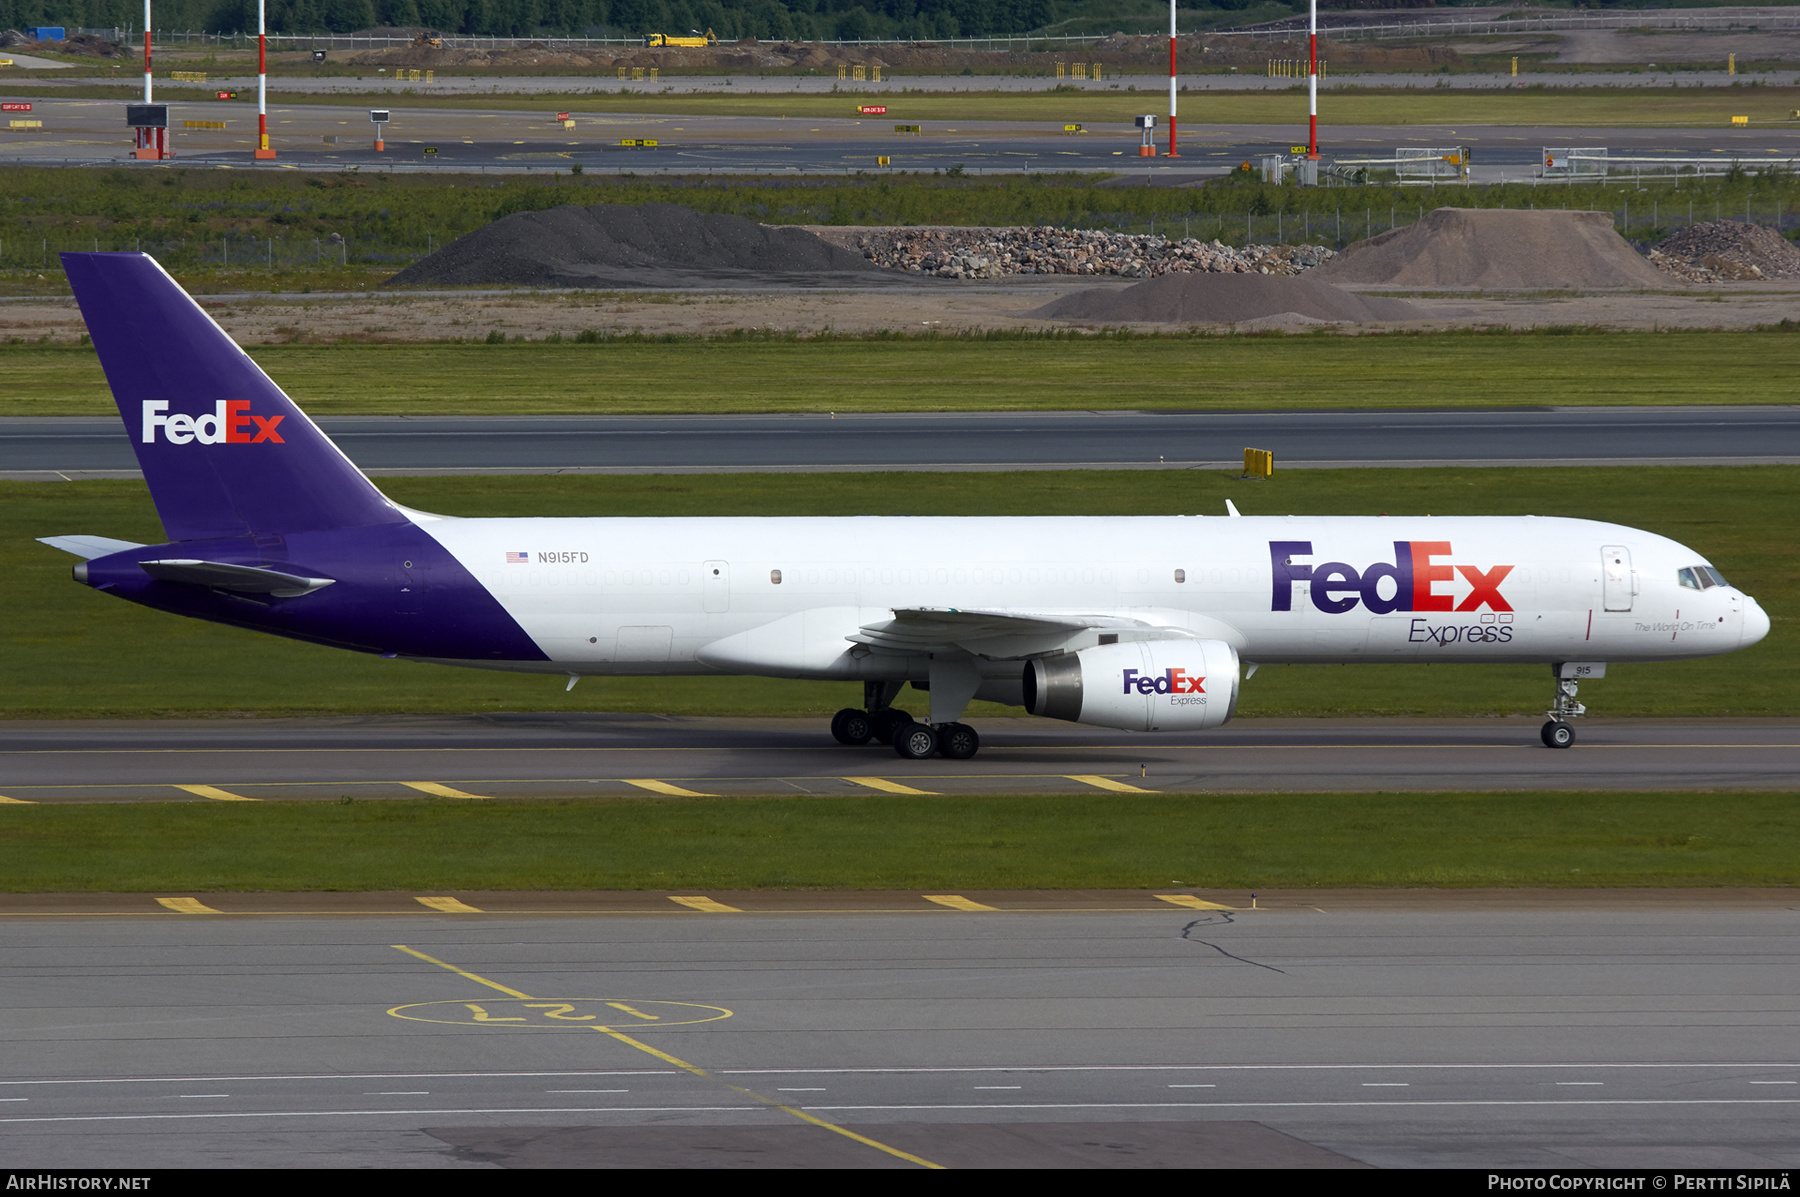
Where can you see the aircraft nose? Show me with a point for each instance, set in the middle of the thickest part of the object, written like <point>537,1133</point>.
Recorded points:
<point>1756,623</point>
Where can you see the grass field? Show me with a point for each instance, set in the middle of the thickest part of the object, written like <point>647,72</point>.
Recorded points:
<point>1343,102</point>
<point>1049,842</point>
<point>984,372</point>
<point>70,652</point>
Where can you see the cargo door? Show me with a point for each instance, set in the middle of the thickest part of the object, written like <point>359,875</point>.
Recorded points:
<point>1620,578</point>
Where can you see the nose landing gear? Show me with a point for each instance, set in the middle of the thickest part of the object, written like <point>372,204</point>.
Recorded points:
<point>1559,733</point>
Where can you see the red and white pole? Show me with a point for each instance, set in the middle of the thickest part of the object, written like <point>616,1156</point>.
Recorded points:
<point>1172,152</point>
<point>262,83</point>
<point>146,51</point>
<point>1312,82</point>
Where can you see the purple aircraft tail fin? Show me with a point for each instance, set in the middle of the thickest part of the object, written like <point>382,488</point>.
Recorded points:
<point>224,451</point>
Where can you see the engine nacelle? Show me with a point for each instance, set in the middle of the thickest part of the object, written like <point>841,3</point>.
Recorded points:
<point>1146,685</point>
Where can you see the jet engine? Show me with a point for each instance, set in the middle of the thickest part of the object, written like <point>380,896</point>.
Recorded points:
<point>1147,685</point>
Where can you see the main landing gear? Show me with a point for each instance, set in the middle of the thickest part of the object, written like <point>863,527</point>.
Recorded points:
<point>911,739</point>
<point>1559,732</point>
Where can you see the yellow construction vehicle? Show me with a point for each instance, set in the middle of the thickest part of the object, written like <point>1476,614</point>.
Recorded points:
<point>429,40</point>
<point>698,39</point>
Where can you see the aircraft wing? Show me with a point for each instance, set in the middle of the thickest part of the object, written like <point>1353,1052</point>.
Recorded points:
<point>994,633</point>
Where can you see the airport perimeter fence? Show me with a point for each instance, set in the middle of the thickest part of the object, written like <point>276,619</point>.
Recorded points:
<point>1337,225</point>
<point>239,40</point>
<point>232,251</point>
<point>1338,28</point>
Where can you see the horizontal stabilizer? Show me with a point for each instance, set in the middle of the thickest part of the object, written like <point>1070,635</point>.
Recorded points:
<point>89,547</point>
<point>241,579</point>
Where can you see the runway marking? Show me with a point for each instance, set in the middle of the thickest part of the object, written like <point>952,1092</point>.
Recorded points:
<point>956,902</point>
<point>696,1070</point>
<point>432,787</point>
<point>521,1014</point>
<point>16,801</point>
<point>1309,1105</point>
<point>215,793</point>
<point>886,786</point>
<point>187,906</point>
<point>663,787</point>
<point>700,902</point>
<point>461,973</point>
<point>1107,783</point>
<point>448,905</point>
<point>365,1113</point>
<point>1587,745</point>
<point>899,1068</point>
<point>1190,902</point>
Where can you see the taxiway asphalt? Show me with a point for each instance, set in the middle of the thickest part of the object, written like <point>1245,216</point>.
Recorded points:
<point>1649,1037</point>
<point>538,755</point>
<point>51,447</point>
<point>318,136</point>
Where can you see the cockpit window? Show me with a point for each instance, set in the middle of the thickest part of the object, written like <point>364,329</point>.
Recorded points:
<point>1718,579</point>
<point>1689,579</point>
<point>1700,577</point>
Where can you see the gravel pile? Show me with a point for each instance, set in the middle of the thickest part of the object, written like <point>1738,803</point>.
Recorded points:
<point>1488,247</point>
<point>998,253</point>
<point>648,245</point>
<point>1224,299</point>
<point>1727,250</point>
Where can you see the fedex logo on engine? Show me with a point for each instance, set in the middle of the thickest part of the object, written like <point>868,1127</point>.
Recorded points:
<point>229,423</point>
<point>1169,681</point>
<point>1414,573</point>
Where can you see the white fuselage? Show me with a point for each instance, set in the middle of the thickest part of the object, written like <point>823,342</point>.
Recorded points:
<point>660,595</point>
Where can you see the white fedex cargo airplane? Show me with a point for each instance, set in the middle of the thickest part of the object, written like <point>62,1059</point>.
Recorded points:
<point>1141,623</point>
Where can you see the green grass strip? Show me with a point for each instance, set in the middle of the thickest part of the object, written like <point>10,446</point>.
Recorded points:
<point>1027,842</point>
<point>70,652</point>
<point>1002,372</point>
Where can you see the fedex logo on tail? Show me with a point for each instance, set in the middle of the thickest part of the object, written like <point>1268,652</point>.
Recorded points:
<point>1415,575</point>
<point>229,423</point>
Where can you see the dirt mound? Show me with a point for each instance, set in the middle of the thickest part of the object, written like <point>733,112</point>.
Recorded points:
<point>84,44</point>
<point>1224,299</point>
<point>1486,247</point>
<point>617,245</point>
<point>88,46</point>
<point>1728,249</point>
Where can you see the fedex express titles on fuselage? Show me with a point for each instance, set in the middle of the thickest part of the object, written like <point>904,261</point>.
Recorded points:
<point>1135,622</point>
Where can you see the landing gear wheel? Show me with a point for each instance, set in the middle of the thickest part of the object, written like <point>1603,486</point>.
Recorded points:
<point>851,726</point>
<point>1557,734</point>
<point>886,722</point>
<point>915,741</point>
<point>958,741</point>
